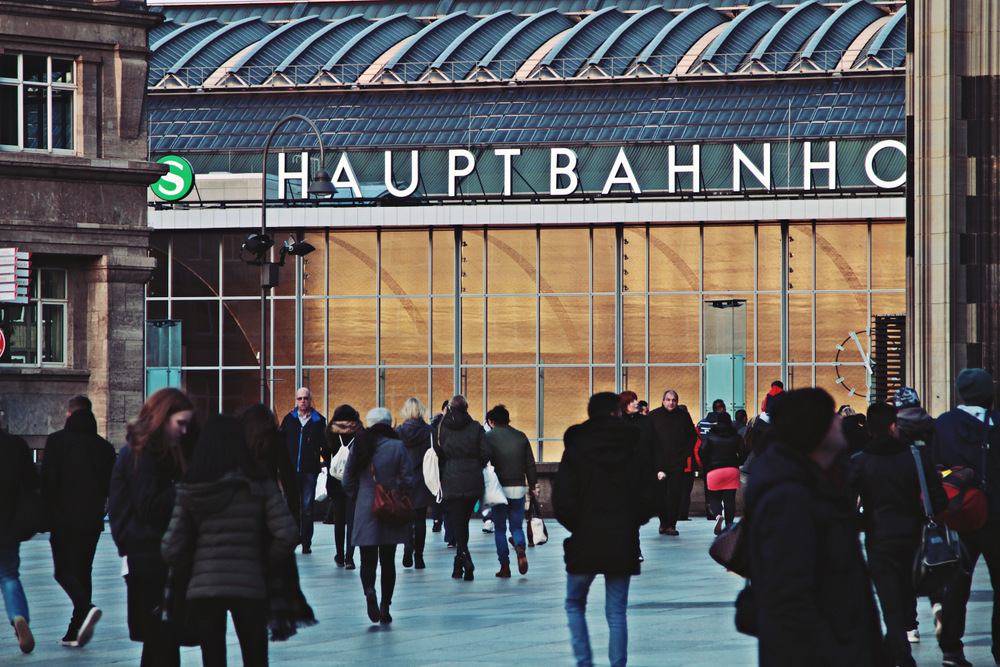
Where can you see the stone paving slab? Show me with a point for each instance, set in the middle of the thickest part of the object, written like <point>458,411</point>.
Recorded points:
<point>680,611</point>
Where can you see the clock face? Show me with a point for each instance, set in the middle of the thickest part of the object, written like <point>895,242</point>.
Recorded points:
<point>853,365</point>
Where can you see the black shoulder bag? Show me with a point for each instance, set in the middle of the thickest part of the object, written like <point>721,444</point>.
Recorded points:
<point>939,558</point>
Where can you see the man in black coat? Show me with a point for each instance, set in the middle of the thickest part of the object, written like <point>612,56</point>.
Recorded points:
<point>814,599</point>
<point>76,474</point>
<point>672,438</point>
<point>603,493</point>
<point>304,429</point>
<point>17,474</point>
<point>969,435</point>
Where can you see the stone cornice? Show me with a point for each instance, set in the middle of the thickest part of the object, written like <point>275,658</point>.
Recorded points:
<point>69,168</point>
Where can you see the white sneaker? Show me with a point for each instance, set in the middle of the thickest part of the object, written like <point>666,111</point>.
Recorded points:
<point>913,636</point>
<point>937,610</point>
<point>488,526</point>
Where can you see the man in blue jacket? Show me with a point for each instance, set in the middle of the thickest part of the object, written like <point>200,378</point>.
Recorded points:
<point>305,437</point>
<point>969,435</point>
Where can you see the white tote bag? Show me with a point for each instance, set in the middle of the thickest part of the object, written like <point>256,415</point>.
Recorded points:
<point>493,493</point>
<point>321,486</point>
<point>339,463</point>
<point>432,473</point>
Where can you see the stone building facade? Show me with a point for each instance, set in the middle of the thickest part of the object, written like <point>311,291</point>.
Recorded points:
<point>73,175</point>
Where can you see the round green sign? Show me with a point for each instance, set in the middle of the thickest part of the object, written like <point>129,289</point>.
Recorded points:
<point>177,183</point>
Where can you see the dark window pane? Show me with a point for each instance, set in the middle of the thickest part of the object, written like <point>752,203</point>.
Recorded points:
<point>200,339</point>
<point>62,71</point>
<point>35,68</point>
<point>62,119</point>
<point>53,329</point>
<point>18,324</point>
<point>35,118</point>
<point>240,332</point>
<point>203,389</point>
<point>8,115</point>
<point>8,66</point>
<point>196,264</point>
<point>157,285</point>
<point>240,390</point>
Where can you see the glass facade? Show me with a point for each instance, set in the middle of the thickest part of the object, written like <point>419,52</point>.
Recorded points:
<point>537,318</point>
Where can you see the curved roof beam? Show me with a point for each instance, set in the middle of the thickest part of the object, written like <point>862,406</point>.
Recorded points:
<point>262,45</point>
<point>618,50</point>
<point>522,40</point>
<point>400,22</point>
<point>726,52</point>
<point>177,32</point>
<point>665,51</point>
<point>478,31</point>
<point>886,48</point>
<point>576,31</point>
<point>779,45</point>
<point>207,42</point>
<point>824,49</point>
<point>567,57</point>
<point>414,51</point>
<point>292,60</point>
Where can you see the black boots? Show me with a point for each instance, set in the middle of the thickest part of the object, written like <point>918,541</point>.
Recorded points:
<point>384,616</point>
<point>469,567</point>
<point>374,614</point>
<point>459,567</point>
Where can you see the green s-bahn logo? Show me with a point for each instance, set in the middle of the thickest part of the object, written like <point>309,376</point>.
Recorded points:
<point>177,183</point>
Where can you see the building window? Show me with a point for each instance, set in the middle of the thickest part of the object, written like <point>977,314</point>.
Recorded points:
<point>36,103</point>
<point>27,343</point>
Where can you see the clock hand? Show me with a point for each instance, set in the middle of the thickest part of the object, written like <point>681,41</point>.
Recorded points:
<point>864,357</point>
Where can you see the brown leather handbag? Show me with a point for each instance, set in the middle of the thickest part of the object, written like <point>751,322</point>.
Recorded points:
<point>391,505</point>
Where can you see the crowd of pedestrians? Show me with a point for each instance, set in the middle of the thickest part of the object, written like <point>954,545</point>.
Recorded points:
<point>207,516</point>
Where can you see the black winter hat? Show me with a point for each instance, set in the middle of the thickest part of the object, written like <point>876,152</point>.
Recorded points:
<point>345,413</point>
<point>975,386</point>
<point>802,418</point>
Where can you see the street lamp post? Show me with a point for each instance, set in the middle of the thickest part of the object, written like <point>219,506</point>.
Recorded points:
<point>262,244</point>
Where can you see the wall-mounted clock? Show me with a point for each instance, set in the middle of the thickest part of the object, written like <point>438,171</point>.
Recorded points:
<point>852,350</point>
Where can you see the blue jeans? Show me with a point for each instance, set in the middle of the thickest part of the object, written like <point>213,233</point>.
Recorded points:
<point>615,603</point>
<point>10,583</point>
<point>514,511</point>
<point>307,487</point>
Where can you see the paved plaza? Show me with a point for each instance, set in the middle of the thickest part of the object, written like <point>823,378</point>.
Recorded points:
<point>680,611</point>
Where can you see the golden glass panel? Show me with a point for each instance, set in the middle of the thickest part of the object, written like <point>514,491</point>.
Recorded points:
<point>565,334</point>
<point>800,375</point>
<point>472,389</point>
<point>634,260</point>
<point>566,396</point>
<point>854,378</point>
<point>314,266</point>
<point>472,330</point>
<point>443,333</point>
<point>510,261</point>
<point>515,389</point>
<point>674,259</point>
<point>685,380</point>
<point>800,328</point>
<point>352,263</point>
<point>765,376</point>
<point>281,381</point>
<point>314,319</point>
<point>405,263</point>
<point>356,387</point>
<point>352,332</point>
<point>673,329</point>
<point>443,388</point>
<point>604,329</point>
<point>565,260</point>
<point>604,379</point>
<point>888,255</point>
<point>836,316</point>
<point>633,379</point>
<point>800,257</point>
<point>728,253</point>
<point>238,278</point>
<point>510,330</point>
<point>888,303</point>
<point>842,257</point>
<point>443,261</point>
<point>605,252</point>
<point>768,257</point>
<point>634,328</point>
<point>769,329</point>
<point>473,263</point>
<point>401,384</point>
<point>282,337</point>
<point>404,330</point>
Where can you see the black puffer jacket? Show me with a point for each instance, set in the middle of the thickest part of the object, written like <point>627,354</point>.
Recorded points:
<point>812,585</point>
<point>885,476</point>
<point>721,448</point>
<point>416,436</point>
<point>221,527</point>
<point>462,452</point>
<point>16,471</point>
<point>602,494</point>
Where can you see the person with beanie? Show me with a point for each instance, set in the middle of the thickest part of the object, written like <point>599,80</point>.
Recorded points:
<point>969,435</point>
<point>814,598</point>
<point>344,430</point>
<point>379,458</point>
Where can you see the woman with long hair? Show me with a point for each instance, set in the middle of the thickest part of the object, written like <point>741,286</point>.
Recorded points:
<point>141,501</point>
<point>416,435</point>
<point>343,430</point>
<point>229,525</point>
<point>268,448</point>
<point>379,457</point>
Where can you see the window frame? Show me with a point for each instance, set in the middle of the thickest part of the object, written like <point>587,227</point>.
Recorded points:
<point>39,304</point>
<point>19,83</point>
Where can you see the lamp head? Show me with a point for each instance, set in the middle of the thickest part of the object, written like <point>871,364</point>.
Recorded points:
<point>298,247</point>
<point>258,244</point>
<point>322,185</point>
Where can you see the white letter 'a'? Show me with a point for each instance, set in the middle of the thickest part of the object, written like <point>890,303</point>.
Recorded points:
<point>414,179</point>
<point>344,169</point>
<point>567,170</point>
<point>454,172</point>
<point>621,163</point>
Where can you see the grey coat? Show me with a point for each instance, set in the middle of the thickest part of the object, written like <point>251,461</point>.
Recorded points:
<point>390,461</point>
<point>221,529</point>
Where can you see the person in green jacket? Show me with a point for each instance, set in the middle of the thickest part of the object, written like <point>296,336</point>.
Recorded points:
<point>514,463</point>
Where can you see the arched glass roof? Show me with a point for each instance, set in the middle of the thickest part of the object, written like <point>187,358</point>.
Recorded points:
<point>725,52</point>
<point>888,47</point>
<point>506,57</point>
<point>618,51</point>
<point>666,49</point>
<point>420,51</point>
<point>256,65</point>
<point>459,59</point>
<point>568,56</point>
<point>195,66</point>
<point>171,47</point>
<point>783,41</point>
<point>827,45</point>
<point>361,51</point>
<point>303,63</point>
